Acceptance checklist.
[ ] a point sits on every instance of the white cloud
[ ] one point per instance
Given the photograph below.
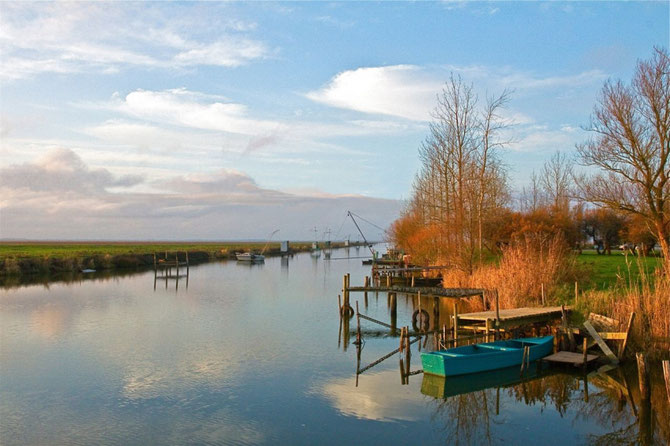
(543, 138)
(410, 91)
(185, 108)
(70, 38)
(401, 90)
(60, 197)
(230, 53)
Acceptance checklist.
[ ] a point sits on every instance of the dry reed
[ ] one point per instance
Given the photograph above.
(525, 267)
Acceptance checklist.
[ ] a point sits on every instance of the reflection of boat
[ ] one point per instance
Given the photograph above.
(250, 257)
(441, 387)
(482, 357)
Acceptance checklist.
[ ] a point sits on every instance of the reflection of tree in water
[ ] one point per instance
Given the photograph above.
(610, 402)
(466, 417)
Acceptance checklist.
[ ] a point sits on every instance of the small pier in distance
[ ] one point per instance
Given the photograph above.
(170, 268)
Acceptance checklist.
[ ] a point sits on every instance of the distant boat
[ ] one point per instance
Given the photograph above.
(250, 257)
(87, 270)
(483, 357)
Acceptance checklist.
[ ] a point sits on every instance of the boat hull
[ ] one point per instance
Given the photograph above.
(246, 257)
(483, 357)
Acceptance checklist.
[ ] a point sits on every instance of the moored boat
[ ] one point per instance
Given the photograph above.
(486, 356)
(250, 257)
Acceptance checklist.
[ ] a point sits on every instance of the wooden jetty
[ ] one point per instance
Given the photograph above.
(170, 268)
(576, 359)
(511, 317)
(425, 291)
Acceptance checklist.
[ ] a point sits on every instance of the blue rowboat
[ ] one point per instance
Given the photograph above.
(482, 357)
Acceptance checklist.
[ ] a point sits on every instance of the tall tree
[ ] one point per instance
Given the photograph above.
(631, 147)
(461, 182)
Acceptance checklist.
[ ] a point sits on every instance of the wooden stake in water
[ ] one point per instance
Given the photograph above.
(642, 375)
(666, 375)
(455, 324)
(358, 323)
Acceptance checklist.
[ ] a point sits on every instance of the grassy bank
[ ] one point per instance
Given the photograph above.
(53, 257)
(606, 271)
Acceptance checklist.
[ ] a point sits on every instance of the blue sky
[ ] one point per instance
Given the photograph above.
(228, 120)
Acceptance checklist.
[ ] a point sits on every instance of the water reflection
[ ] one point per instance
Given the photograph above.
(247, 354)
(470, 408)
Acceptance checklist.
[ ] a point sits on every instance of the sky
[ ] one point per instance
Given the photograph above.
(222, 121)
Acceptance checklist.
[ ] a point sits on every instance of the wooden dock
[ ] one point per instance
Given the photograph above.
(425, 291)
(514, 316)
(576, 359)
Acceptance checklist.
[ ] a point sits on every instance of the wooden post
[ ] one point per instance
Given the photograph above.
(365, 294)
(408, 352)
(542, 292)
(585, 347)
(420, 312)
(622, 350)
(566, 329)
(488, 330)
(187, 262)
(154, 261)
(576, 293)
(666, 375)
(642, 375)
(402, 339)
(358, 327)
(497, 309)
(388, 280)
(455, 324)
(412, 280)
(339, 304)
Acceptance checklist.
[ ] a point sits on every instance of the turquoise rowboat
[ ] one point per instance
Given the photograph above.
(482, 357)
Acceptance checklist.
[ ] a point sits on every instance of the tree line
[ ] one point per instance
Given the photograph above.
(462, 208)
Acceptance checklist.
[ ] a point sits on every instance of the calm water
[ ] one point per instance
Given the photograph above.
(249, 355)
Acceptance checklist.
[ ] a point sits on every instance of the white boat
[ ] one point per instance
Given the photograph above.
(250, 257)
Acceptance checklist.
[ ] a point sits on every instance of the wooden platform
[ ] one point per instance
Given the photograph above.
(576, 359)
(425, 291)
(514, 314)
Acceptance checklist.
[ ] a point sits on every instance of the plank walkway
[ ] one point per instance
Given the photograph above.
(425, 291)
(513, 314)
(576, 359)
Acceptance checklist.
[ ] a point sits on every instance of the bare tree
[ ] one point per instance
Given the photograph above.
(556, 181)
(631, 146)
(461, 180)
(492, 125)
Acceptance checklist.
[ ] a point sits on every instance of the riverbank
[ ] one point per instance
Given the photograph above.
(28, 258)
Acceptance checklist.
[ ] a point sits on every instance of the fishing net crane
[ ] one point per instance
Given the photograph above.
(368, 244)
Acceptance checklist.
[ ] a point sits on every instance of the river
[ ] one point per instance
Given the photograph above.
(253, 354)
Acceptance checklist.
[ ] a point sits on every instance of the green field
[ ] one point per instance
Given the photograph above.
(603, 271)
(71, 249)
(20, 258)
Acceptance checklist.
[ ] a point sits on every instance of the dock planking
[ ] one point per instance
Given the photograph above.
(576, 359)
(425, 291)
(512, 314)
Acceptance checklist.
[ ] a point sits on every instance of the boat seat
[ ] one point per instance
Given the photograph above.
(500, 348)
